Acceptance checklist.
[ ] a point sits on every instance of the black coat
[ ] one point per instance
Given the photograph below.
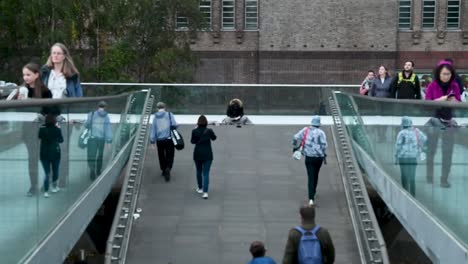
(50, 137)
(201, 137)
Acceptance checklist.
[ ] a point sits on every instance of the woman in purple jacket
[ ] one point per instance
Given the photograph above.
(443, 88)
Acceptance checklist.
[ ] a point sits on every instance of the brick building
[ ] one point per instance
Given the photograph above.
(325, 41)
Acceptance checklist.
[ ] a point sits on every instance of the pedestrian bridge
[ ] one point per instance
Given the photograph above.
(256, 188)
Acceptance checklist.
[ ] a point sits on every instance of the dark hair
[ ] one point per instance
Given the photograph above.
(307, 213)
(449, 60)
(235, 109)
(412, 62)
(371, 71)
(257, 249)
(50, 119)
(39, 86)
(202, 121)
(439, 69)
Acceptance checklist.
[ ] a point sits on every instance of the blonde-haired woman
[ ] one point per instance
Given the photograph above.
(60, 75)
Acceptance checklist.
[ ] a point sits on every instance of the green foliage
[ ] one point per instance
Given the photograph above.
(110, 40)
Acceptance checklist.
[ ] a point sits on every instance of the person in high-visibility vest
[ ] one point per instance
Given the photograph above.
(406, 84)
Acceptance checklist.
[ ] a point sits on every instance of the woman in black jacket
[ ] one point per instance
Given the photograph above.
(50, 136)
(203, 154)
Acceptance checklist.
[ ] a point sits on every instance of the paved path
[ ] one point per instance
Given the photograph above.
(255, 193)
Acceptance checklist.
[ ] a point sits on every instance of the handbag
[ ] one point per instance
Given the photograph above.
(176, 137)
(85, 135)
(297, 155)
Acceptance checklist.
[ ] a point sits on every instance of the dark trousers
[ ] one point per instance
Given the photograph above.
(55, 170)
(95, 156)
(408, 174)
(447, 137)
(32, 146)
(165, 153)
(313, 165)
(203, 173)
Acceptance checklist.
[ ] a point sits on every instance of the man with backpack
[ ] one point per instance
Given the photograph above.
(406, 84)
(309, 243)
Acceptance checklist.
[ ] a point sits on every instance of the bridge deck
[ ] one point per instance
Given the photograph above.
(255, 192)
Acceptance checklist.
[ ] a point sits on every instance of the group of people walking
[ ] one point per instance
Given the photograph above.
(58, 78)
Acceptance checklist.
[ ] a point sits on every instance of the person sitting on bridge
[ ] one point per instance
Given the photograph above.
(235, 114)
(308, 243)
(258, 250)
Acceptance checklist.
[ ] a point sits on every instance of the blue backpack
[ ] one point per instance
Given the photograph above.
(309, 251)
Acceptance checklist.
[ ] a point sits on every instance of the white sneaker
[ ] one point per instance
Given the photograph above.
(46, 195)
(205, 196)
(198, 190)
(55, 189)
(311, 202)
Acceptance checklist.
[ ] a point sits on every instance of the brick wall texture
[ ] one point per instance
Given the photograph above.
(324, 41)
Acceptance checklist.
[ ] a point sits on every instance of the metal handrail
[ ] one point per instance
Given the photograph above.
(222, 85)
(119, 236)
(371, 244)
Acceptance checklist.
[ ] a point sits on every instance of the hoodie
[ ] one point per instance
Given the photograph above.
(161, 128)
(99, 124)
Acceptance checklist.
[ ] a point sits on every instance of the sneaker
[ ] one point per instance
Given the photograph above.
(167, 175)
(198, 190)
(46, 195)
(205, 196)
(445, 185)
(311, 202)
(55, 189)
(31, 192)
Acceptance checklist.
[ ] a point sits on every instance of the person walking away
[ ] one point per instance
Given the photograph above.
(50, 136)
(309, 242)
(258, 251)
(161, 137)
(443, 88)
(202, 154)
(98, 122)
(35, 89)
(406, 84)
(314, 150)
(366, 85)
(410, 144)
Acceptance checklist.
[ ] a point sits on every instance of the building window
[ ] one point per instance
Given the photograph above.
(429, 14)
(251, 14)
(205, 9)
(404, 15)
(181, 22)
(453, 14)
(228, 14)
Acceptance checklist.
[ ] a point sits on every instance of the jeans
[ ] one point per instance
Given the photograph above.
(313, 165)
(165, 153)
(408, 174)
(95, 156)
(203, 173)
(55, 169)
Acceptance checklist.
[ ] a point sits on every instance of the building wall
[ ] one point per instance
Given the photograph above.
(323, 41)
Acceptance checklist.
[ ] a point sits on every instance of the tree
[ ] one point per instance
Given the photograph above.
(110, 40)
